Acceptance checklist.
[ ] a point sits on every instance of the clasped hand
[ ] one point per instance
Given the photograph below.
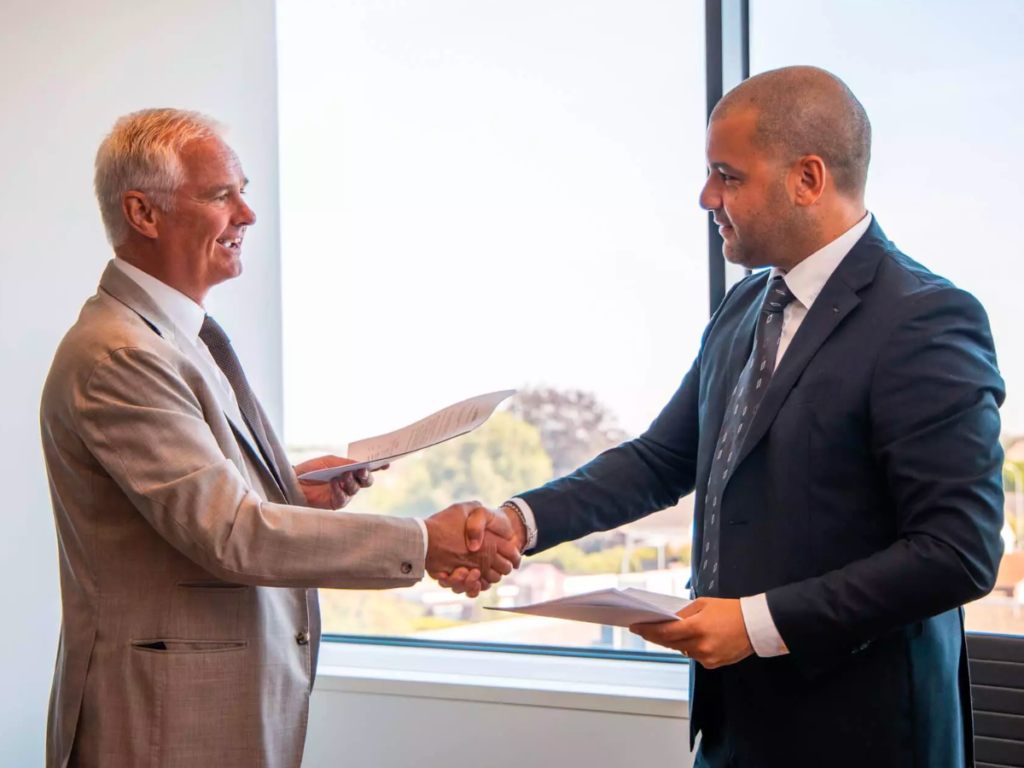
(476, 543)
(709, 630)
(338, 492)
(472, 540)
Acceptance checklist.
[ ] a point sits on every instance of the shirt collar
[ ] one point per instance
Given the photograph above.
(807, 278)
(186, 315)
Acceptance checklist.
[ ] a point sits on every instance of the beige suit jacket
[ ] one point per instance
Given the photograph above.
(190, 623)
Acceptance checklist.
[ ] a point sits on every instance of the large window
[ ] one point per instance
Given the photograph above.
(489, 195)
(943, 84)
(479, 196)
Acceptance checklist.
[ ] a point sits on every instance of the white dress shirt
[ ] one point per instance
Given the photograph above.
(805, 281)
(188, 317)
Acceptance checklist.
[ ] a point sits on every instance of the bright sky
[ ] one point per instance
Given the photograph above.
(479, 194)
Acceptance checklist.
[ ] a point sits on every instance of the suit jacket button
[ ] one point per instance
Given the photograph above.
(406, 567)
(302, 638)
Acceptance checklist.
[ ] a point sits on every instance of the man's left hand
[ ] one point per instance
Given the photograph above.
(339, 491)
(710, 630)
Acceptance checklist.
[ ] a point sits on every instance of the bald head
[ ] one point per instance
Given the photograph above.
(807, 111)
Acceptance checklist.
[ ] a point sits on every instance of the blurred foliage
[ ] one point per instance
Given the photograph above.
(545, 433)
(491, 464)
(376, 613)
(574, 425)
(573, 561)
(1009, 474)
(366, 612)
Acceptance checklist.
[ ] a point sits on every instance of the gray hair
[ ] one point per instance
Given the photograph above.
(808, 111)
(141, 153)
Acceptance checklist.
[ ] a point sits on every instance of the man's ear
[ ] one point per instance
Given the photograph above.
(808, 175)
(141, 214)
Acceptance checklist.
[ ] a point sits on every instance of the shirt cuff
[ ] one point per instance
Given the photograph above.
(531, 523)
(423, 527)
(761, 630)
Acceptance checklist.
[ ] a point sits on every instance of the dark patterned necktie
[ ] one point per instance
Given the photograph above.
(743, 404)
(224, 355)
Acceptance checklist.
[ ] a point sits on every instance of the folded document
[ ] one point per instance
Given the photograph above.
(455, 420)
(614, 607)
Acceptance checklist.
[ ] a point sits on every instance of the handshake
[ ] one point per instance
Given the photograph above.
(470, 547)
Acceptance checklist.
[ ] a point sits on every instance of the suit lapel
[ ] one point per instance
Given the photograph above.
(234, 416)
(290, 483)
(736, 345)
(128, 292)
(837, 299)
(737, 349)
(743, 342)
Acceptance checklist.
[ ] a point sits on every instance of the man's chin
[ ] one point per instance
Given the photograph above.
(739, 257)
(233, 268)
(226, 271)
(733, 254)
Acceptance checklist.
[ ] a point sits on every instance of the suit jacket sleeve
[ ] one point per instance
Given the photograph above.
(146, 427)
(635, 479)
(935, 426)
(625, 483)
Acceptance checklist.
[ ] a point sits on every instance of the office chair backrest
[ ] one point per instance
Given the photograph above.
(997, 686)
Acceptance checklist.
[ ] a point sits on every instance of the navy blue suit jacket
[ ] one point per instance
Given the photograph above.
(867, 503)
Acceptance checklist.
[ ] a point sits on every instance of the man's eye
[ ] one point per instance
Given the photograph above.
(726, 176)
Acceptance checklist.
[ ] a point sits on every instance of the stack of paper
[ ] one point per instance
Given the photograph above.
(614, 607)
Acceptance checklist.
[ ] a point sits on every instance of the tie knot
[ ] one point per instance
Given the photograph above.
(779, 296)
(212, 334)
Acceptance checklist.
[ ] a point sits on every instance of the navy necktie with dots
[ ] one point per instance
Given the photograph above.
(743, 404)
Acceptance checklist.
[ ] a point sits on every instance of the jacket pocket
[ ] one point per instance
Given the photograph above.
(212, 585)
(198, 699)
(161, 645)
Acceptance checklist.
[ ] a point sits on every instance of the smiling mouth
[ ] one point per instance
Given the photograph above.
(234, 243)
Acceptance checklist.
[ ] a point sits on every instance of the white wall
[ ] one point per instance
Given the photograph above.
(386, 731)
(395, 707)
(67, 70)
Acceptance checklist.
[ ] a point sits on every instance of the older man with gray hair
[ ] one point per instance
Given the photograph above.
(189, 549)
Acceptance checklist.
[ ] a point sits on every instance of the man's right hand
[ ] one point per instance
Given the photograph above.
(469, 538)
(469, 580)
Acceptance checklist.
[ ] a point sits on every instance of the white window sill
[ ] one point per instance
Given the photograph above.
(654, 689)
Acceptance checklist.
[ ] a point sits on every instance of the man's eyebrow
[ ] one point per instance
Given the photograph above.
(725, 167)
(219, 189)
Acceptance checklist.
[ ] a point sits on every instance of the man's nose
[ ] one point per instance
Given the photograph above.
(710, 198)
(246, 215)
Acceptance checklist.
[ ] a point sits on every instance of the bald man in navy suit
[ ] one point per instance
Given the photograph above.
(840, 431)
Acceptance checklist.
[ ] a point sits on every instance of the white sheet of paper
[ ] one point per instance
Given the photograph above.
(455, 420)
(614, 607)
